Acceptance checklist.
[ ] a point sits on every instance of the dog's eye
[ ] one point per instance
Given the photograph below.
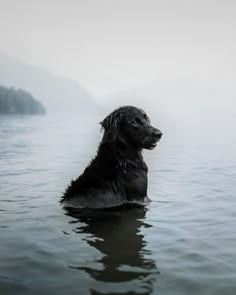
(136, 122)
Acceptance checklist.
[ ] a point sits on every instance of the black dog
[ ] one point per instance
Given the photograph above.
(118, 174)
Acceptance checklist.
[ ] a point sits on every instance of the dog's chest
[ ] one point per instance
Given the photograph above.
(135, 184)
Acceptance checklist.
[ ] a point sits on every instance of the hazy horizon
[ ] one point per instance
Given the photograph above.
(82, 59)
(174, 59)
(108, 46)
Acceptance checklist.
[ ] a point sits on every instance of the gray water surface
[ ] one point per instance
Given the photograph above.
(184, 242)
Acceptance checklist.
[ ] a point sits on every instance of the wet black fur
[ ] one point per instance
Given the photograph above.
(118, 173)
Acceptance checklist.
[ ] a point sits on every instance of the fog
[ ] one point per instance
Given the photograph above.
(175, 59)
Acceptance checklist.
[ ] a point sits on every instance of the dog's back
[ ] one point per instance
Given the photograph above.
(108, 182)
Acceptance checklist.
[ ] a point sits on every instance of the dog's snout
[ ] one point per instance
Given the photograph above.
(157, 133)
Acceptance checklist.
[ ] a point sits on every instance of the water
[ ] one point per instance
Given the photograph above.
(184, 242)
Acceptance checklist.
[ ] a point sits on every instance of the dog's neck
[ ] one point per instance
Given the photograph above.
(125, 155)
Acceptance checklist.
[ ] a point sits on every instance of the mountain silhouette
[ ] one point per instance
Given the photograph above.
(55, 92)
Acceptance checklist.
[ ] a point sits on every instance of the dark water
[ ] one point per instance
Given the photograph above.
(184, 242)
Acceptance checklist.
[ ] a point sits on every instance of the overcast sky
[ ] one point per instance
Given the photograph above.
(110, 45)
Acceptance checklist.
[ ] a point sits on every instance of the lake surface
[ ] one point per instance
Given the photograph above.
(184, 242)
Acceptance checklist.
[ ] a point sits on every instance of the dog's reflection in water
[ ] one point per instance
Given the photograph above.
(117, 234)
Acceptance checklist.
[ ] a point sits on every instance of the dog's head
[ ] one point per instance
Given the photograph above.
(132, 126)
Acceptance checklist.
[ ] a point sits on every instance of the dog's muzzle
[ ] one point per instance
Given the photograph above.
(154, 136)
(157, 134)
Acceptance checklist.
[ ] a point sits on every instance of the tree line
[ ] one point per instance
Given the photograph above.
(18, 101)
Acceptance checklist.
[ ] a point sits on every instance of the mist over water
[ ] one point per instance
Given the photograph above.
(182, 243)
(81, 60)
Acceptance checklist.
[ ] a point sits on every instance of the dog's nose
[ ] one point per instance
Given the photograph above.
(157, 133)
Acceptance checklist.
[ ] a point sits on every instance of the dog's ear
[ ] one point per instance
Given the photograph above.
(111, 124)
